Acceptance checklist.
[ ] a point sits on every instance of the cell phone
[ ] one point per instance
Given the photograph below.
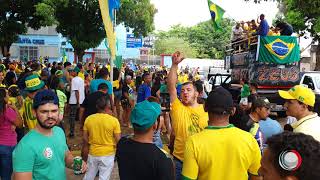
(165, 101)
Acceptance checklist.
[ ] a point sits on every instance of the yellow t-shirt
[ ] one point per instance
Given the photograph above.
(116, 84)
(2, 86)
(132, 84)
(101, 129)
(216, 153)
(186, 121)
(81, 75)
(180, 79)
(272, 33)
(28, 116)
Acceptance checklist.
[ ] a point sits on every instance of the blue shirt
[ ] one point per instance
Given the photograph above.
(144, 92)
(270, 127)
(263, 28)
(96, 82)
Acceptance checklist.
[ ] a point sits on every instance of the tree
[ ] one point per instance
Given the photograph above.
(202, 38)
(81, 23)
(138, 15)
(172, 44)
(210, 43)
(17, 16)
(304, 16)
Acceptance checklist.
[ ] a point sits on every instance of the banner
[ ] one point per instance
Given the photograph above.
(118, 62)
(278, 49)
(108, 26)
(267, 75)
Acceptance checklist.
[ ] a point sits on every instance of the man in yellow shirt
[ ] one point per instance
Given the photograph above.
(221, 151)
(33, 85)
(299, 103)
(187, 116)
(101, 133)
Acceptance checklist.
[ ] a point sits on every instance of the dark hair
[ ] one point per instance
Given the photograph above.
(66, 64)
(145, 75)
(308, 148)
(103, 72)
(310, 108)
(79, 65)
(103, 86)
(255, 85)
(116, 73)
(54, 83)
(153, 99)
(2, 101)
(199, 86)
(102, 103)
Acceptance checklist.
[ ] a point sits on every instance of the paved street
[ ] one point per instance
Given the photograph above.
(71, 176)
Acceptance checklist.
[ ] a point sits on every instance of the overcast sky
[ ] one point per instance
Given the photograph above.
(191, 12)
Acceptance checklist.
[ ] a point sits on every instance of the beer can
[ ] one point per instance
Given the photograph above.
(77, 165)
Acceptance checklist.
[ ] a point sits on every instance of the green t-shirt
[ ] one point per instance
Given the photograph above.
(44, 156)
(163, 88)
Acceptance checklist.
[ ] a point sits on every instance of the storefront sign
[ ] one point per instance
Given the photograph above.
(31, 41)
(133, 42)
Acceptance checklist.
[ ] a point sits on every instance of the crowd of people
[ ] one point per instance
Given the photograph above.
(247, 32)
(211, 136)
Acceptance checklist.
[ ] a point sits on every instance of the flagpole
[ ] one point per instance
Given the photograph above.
(111, 58)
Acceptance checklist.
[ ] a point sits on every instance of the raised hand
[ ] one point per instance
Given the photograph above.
(177, 57)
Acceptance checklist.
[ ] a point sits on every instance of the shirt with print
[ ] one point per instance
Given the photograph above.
(139, 161)
(7, 132)
(186, 121)
(144, 92)
(42, 155)
(28, 117)
(127, 89)
(94, 84)
(254, 128)
(216, 153)
(101, 129)
(77, 84)
(309, 125)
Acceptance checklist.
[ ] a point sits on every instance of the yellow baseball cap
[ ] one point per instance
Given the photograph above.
(300, 93)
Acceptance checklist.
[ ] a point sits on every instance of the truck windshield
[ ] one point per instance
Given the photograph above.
(317, 79)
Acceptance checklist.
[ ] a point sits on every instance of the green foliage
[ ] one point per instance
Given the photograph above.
(81, 23)
(17, 16)
(173, 44)
(138, 15)
(202, 38)
(304, 15)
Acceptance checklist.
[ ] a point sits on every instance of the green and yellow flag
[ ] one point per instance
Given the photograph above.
(64, 55)
(216, 14)
(278, 49)
(108, 26)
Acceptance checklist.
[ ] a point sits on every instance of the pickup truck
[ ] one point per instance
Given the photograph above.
(312, 80)
(273, 66)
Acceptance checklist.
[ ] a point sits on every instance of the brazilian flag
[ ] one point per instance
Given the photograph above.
(216, 14)
(278, 49)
